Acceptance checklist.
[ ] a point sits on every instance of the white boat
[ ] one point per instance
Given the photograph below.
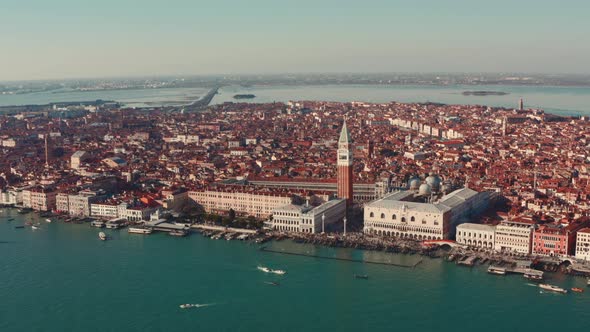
(588, 282)
(552, 288)
(497, 270)
(139, 230)
(34, 227)
(532, 274)
(190, 305)
(48, 220)
(264, 269)
(97, 224)
(278, 271)
(102, 236)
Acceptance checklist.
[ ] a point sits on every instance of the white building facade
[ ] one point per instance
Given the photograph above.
(401, 215)
(583, 244)
(476, 235)
(307, 219)
(514, 236)
(259, 205)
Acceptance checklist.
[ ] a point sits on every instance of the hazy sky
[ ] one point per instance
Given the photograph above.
(82, 38)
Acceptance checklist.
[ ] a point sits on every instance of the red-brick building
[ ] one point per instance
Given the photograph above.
(556, 239)
(344, 165)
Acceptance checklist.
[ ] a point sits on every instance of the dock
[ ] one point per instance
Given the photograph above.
(467, 260)
(409, 266)
(224, 229)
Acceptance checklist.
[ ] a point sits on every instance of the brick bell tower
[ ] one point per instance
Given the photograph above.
(344, 165)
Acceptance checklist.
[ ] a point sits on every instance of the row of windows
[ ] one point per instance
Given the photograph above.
(403, 219)
(468, 234)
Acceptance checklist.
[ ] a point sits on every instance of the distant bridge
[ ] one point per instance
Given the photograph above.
(203, 101)
(439, 243)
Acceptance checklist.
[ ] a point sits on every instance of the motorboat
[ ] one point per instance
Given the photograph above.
(102, 236)
(19, 226)
(48, 220)
(264, 269)
(577, 290)
(34, 227)
(361, 276)
(281, 272)
(553, 288)
(186, 306)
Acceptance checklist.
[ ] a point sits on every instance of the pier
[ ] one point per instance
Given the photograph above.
(223, 229)
(264, 249)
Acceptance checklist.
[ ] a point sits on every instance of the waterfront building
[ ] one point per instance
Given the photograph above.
(62, 203)
(137, 212)
(344, 165)
(514, 236)
(414, 214)
(362, 192)
(257, 204)
(79, 204)
(476, 235)
(306, 218)
(583, 244)
(556, 239)
(39, 199)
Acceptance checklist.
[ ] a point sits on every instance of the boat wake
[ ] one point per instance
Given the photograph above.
(532, 285)
(195, 305)
(268, 270)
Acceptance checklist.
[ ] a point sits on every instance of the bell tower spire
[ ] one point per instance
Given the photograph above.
(344, 165)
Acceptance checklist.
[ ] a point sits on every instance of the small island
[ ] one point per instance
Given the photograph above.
(244, 96)
(484, 93)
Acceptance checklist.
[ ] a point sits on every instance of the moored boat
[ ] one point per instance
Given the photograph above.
(102, 236)
(139, 230)
(577, 290)
(34, 227)
(48, 220)
(179, 232)
(533, 275)
(497, 270)
(553, 288)
(97, 223)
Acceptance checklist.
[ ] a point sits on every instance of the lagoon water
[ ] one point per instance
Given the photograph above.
(62, 278)
(557, 100)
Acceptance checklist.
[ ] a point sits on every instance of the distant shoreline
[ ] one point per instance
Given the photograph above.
(484, 93)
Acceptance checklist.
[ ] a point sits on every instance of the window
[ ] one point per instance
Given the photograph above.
(403, 219)
(372, 215)
(393, 217)
(412, 218)
(382, 215)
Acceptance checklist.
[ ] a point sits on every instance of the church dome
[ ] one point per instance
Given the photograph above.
(414, 183)
(424, 190)
(434, 181)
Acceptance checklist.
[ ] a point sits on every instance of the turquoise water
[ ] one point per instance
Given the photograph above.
(62, 278)
(557, 100)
